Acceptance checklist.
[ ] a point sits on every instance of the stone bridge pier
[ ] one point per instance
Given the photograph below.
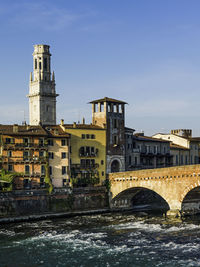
(172, 184)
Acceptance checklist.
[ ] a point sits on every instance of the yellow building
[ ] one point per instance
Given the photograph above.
(87, 153)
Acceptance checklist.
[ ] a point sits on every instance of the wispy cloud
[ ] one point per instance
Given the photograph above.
(42, 15)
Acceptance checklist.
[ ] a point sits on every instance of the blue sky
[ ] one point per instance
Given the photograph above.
(145, 52)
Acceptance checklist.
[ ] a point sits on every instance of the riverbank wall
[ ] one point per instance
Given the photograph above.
(40, 202)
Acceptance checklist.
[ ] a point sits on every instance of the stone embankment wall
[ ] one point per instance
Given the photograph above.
(29, 202)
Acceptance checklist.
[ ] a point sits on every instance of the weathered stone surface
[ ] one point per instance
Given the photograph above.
(172, 184)
(40, 202)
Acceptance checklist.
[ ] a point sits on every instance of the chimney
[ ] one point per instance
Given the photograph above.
(15, 128)
(83, 120)
(74, 125)
(62, 122)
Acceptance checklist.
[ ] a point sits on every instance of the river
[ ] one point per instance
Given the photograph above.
(119, 239)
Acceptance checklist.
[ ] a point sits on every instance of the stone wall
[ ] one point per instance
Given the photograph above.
(29, 202)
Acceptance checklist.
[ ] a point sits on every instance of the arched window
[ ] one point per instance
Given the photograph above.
(115, 166)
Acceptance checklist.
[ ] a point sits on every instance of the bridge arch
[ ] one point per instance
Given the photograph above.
(140, 198)
(191, 201)
(189, 188)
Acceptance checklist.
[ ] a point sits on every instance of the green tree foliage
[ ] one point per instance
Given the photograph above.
(47, 179)
(7, 179)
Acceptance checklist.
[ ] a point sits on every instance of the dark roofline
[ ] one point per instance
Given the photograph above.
(107, 99)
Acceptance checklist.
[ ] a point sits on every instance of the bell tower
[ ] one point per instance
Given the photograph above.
(109, 113)
(42, 93)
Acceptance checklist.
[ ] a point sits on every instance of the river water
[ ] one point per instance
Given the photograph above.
(120, 239)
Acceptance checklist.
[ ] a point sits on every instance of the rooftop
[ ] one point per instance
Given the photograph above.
(38, 130)
(148, 138)
(82, 126)
(107, 99)
(178, 147)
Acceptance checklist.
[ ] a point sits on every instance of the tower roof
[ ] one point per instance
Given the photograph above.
(107, 99)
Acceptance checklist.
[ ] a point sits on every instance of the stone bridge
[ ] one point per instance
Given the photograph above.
(172, 184)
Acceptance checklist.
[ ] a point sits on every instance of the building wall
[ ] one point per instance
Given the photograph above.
(17, 155)
(186, 152)
(110, 113)
(178, 140)
(98, 143)
(59, 179)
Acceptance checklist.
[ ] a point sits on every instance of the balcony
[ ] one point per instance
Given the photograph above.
(88, 152)
(21, 146)
(88, 155)
(23, 160)
(85, 166)
(136, 150)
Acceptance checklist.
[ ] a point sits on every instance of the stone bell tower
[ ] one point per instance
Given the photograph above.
(42, 93)
(109, 113)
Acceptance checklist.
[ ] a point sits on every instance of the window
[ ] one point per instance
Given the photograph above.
(63, 142)
(135, 160)
(50, 170)
(41, 141)
(87, 136)
(129, 160)
(64, 170)
(64, 182)
(92, 162)
(10, 140)
(26, 155)
(45, 63)
(40, 65)
(51, 155)
(25, 141)
(83, 162)
(41, 153)
(82, 151)
(63, 155)
(102, 162)
(92, 136)
(115, 139)
(35, 63)
(43, 170)
(50, 142)
(115, 123)
(102, 173)
(87, 150)
(9, 153)
(181, 159)
(10, 167)
(27, 169)
(83, 136)
(176, 159)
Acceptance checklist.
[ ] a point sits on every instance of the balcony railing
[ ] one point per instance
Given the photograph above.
(24, 145)
(88, 155)
(24, 159)
(85, 166)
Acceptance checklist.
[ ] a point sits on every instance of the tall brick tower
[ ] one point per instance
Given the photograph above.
(42, 93)
(110, 114)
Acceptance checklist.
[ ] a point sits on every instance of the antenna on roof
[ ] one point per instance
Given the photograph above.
(24, 117)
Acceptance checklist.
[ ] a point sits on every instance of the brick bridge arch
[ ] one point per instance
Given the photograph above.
(172, 184)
